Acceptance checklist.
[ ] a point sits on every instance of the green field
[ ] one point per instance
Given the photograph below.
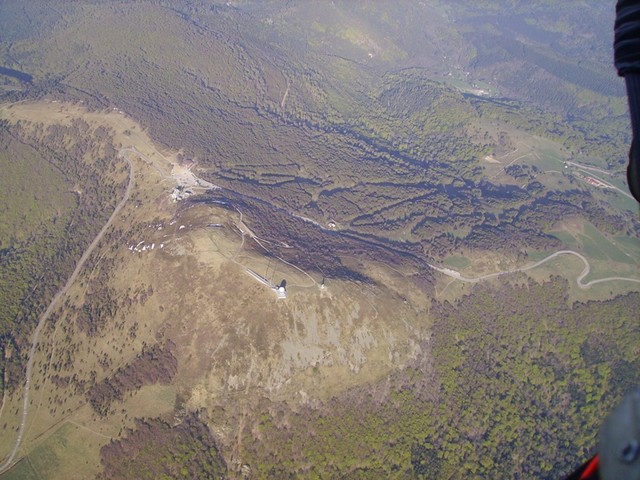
(69, 450)
(597, 246)
(457, 262)
(630, 245)
(608, 256)
(549, 159)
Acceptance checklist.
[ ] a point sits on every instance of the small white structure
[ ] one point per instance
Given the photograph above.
(281, 290)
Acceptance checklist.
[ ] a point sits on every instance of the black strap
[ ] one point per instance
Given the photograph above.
(633, 170)
(626, 43)
(627, 60)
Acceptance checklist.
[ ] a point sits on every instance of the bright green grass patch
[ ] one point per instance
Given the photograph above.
(458, 262)
(45, 459)
(592, 248)
(70, 452)
(547, 159)
(597, 245)
(630, 245)
(22, 471)
(623, 202)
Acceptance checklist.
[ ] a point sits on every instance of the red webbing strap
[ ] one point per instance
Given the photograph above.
(591, 470)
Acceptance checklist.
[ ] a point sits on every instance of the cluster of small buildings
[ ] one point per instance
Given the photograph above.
(181, 193)
(595, 182)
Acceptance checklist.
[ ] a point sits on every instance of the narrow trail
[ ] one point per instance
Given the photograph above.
(89, 429)
(284, 97)
(589, 167)
(45, 316)
(503, 169)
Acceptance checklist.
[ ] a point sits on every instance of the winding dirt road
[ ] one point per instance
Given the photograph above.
(579, 279)
(36, 334)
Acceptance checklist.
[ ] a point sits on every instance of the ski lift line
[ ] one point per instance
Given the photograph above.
(257, 240)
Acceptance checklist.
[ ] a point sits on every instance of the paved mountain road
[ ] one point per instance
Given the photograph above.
(43, 318)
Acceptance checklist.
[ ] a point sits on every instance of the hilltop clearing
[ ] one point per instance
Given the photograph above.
(162, 269)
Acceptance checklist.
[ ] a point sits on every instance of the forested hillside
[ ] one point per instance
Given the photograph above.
(61, 185)
(497, 393)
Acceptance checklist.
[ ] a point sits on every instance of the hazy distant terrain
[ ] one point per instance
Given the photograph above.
(440, 184)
